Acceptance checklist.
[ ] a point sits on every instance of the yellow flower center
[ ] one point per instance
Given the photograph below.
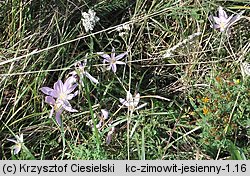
(62, 96)
(222, 25)
(112, 60)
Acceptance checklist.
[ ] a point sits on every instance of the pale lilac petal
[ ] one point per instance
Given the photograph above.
(67, 106)
(211, 18)
(120, 56)
(105, 113)
(215, 26)
(76, 93)
(136, 99)
(113, 53)
(217, 20)
(17, 149)
(58, 118)
(70, 89)
(70, 96)
(104, 55)
(46, 90)
(109, 67)
(91, 78)
(129, 96)
(114, 68)
(212, 23)
(230, 18)
(68, 83)
(234, 19)
(222, 13)
(50, 100)
(55, 94)
(58, 86)
(123, 102)
(106, 60)
(19, 138)
(120, 62)
(12, 140)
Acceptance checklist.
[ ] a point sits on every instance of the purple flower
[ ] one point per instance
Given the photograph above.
(112, 59)
(56, 106)
(81, 68)
(132, 102)
(18, 143)
(59, 97)
(104, 116)
(223, 22)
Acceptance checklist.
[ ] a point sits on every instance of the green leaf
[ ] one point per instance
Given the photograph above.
(236, 153)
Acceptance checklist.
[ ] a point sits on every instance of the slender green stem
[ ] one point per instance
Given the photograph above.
(96, 134)
(130, 113)
(63, 140)
(128, 122)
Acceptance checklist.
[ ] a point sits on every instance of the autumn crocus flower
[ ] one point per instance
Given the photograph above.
(81, 68)
(132, 102)
(223, 22)
(56, 105)
(18, 143)
(112, 59)
(59, 97)
(104, 116)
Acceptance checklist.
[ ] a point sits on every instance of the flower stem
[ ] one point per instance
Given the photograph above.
(96, 134)
(63, 140)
